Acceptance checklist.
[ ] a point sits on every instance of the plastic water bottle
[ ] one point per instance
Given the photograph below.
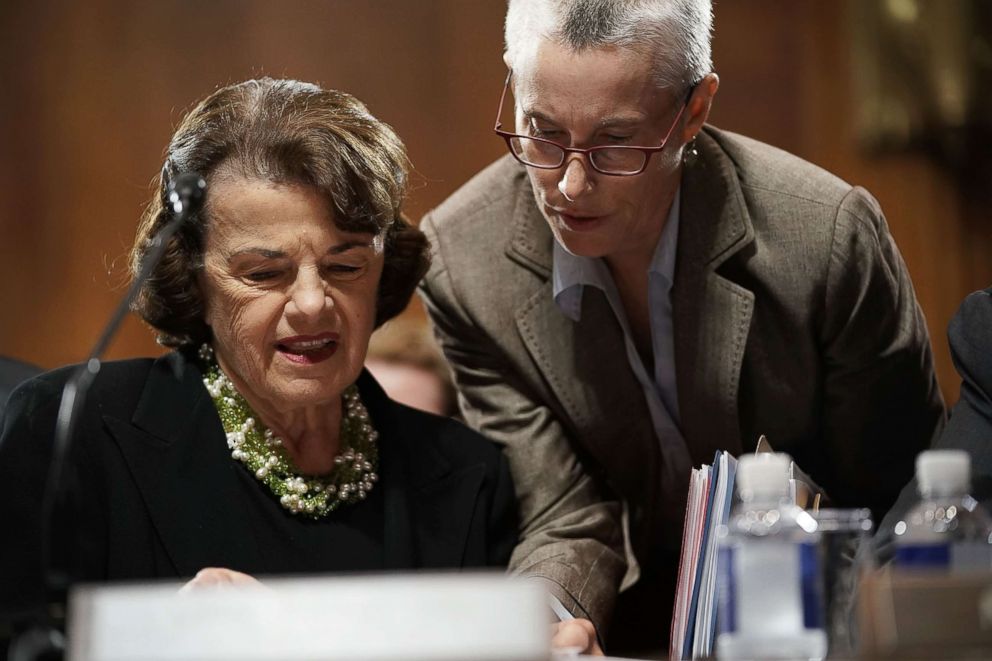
(947, 530)
(769, 579)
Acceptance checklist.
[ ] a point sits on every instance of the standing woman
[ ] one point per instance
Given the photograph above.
(259, 445)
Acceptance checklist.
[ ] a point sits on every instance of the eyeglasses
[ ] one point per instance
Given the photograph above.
(617, 161)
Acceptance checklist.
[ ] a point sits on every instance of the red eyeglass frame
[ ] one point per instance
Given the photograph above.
(587, 151)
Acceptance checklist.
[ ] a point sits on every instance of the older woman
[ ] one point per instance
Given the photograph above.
(259, 445)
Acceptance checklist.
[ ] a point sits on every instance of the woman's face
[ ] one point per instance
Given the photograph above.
(290, 298)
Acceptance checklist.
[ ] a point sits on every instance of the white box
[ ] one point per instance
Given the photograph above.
(426, 617)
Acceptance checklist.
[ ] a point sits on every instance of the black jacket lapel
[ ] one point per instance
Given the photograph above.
(429, 505)
(189, 483)
(182, 468)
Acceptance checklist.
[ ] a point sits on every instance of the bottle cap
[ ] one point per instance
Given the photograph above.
(763, 474)
(943, 472)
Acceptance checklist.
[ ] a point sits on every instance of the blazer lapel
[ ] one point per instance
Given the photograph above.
(585, 364)
(712, 315)
(428, 505)
(174, 446)
(428, 520)
(443, 509)
(530, 239)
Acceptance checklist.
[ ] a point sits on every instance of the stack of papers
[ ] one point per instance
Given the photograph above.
(711, 491)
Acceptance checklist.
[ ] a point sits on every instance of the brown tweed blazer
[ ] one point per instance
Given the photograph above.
(794, 317)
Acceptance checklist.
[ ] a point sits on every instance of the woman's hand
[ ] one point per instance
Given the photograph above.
(214, 576)
(575, 635)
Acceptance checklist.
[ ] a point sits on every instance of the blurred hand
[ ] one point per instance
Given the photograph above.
(575, 635)
(214, 576)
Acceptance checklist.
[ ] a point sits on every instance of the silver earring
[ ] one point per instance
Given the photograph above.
(690, 154)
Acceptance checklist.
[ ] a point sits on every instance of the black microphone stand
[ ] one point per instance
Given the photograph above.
(185, 196)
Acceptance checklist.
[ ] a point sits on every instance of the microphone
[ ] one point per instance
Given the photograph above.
(185, 195)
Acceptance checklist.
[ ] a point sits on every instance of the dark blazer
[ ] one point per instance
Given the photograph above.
(970, 426)
(148, 500)
(793, 316)
(12, 373)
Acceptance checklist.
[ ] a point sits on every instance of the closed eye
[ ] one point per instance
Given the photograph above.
(546, 134)
(548, 131)
(616, 139)
(341, 271)
(262, 276)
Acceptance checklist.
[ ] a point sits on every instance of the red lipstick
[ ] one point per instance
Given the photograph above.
(308, 349)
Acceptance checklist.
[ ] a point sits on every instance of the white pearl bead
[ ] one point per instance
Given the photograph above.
(253, 444)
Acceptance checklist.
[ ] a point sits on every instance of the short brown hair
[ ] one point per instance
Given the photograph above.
(283, 131)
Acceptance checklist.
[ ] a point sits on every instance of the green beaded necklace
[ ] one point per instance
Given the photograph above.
(262, 453)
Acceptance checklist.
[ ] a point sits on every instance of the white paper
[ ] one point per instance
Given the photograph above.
(444, 617)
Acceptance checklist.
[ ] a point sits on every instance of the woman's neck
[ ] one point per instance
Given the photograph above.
(311, 435)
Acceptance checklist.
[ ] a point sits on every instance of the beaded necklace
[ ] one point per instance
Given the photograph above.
(263, 453)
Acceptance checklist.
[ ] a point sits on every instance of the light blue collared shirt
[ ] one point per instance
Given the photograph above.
(571, 274)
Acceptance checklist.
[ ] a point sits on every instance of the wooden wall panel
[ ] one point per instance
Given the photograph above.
(92, 90)
(945, 239)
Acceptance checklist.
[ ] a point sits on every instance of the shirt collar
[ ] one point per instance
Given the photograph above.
(570, 273)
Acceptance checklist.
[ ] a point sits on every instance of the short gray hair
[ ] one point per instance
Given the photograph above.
(676, 34)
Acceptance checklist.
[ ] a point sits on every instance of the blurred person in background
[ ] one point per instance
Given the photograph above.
(630, 289)
(969, 426)
(259, 445)
(406, 362)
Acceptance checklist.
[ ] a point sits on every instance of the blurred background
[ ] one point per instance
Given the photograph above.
(892, 95)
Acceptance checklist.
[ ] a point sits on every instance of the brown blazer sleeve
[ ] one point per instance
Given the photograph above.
(571, 533)
(881, 400)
